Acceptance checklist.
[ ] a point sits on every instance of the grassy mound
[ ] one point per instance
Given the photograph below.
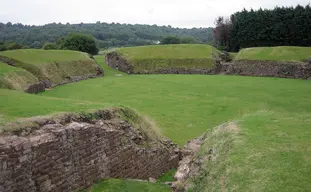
(55, 66)
(263, 151)
(15, 78)
(283, 53)
(157, 57)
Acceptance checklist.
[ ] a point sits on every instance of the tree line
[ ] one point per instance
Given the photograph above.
(106, 35)
(277, 27)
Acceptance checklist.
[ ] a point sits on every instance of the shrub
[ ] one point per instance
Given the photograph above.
(187, 40)
(49, 46)
(79, 42)
(170, 40)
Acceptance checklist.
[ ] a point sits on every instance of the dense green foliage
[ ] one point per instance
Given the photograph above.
(50, 46)
(79, 42)
(155, 57)
(10, 46)
(283, 53)
(277, 27)
(170, 40)
(177, 40)
(108, 35)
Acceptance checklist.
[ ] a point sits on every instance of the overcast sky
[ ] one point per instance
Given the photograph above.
(177, 13)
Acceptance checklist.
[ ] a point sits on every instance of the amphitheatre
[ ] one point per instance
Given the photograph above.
(155, 118)
(116, 125)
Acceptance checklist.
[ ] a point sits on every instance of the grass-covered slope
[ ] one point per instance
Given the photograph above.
(282, 53)
(15, 78)
(262, 151)
(55, 66)
(157, 57)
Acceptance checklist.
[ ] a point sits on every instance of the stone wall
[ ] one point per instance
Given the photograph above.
(268, 69)
(246, 68)
(71, 155)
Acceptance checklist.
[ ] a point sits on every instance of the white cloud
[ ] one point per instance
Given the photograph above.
(179, 13)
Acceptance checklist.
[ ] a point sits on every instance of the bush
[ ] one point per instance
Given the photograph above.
(49, 46)
(10, 46)
(79, 42)
(170, 40)
(188, 40)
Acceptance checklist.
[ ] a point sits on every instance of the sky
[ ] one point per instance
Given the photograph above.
(177, 13)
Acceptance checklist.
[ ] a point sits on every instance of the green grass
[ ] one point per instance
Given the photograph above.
(15, 78)
(283, 53)
(56, 66)
(114, 185)
(5, 68)
(266, 151)
(271, 151)
(156, 57)
(39, 56)
(167, 177)
(15, 105)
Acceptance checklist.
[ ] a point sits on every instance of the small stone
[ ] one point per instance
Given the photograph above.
(152, 180)
(169, 183)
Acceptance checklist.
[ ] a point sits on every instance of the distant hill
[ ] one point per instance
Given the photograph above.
(108, 35)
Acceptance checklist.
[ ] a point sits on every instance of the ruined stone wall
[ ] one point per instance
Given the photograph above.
(72, 156)
(268, 69)
(246, 68)
(114, 60)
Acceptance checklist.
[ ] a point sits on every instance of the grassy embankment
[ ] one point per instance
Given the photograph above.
(158, 57)
(53, 65)
(282, 53)
(15, 78)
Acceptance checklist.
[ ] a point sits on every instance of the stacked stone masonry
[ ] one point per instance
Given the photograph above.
(74, 156)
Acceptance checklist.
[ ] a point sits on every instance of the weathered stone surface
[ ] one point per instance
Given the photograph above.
(72, 156)
(35, 88)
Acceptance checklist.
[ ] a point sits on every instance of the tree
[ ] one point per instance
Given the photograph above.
(170, 40)
(188, 40)
(80, 42)
(222, 32)
(50, 46)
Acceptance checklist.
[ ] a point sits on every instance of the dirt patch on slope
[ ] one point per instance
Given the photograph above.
(200, 153)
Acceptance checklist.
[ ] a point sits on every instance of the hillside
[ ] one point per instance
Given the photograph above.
(164, 58)
(16, 78)
(53, 67)
(108, 35)
(281, 53)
